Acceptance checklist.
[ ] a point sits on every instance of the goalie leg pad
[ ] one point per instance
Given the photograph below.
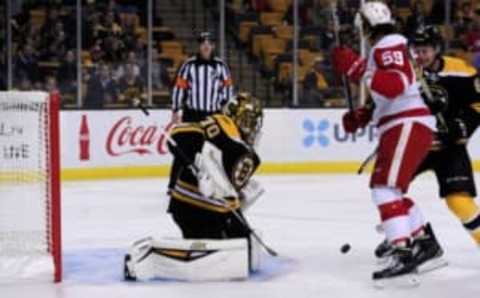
(188, 260)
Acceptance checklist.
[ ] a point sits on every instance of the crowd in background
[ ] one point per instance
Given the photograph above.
(114, 51)
(317, 34)
(114, 45)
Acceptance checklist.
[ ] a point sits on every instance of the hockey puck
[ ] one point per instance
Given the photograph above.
(345, 248)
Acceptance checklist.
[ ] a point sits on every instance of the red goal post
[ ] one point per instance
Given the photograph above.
(30, 203)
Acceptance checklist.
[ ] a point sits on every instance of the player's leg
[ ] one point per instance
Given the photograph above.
(457, 186)
(401, 150)
(417, 220)
(174, 173)
(197, 223)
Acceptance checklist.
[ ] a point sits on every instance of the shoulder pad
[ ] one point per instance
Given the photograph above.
(391, 40)
(227, 125)
(457, 67)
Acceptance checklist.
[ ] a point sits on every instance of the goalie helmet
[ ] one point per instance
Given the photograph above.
(376, 13)
(246, 111)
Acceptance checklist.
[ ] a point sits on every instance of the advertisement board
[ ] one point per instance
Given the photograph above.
(126, 143)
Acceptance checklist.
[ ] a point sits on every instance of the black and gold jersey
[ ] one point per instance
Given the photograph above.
(461, 83)
(238, 159)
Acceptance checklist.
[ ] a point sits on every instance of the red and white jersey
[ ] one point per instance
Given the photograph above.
(393, 85)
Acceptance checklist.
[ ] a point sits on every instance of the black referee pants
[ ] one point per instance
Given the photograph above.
(188, 116)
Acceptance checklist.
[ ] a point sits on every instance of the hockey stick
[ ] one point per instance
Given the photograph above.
(336, 28)
(191, 165)
(423, 83)
(238, 216)
(363, 53)
(367, 161)
(138, 103)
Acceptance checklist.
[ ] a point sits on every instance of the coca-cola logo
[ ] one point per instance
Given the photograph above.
(126, 138)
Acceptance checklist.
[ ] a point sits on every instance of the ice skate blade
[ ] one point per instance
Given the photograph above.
(411, 280)
(432, 265)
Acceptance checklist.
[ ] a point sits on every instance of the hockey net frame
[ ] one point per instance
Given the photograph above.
(50, 106)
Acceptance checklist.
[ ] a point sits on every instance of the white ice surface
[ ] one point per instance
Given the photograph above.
(306, 218)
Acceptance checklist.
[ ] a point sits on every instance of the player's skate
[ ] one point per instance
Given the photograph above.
(383, 250)
(400, 271)
(427, 252)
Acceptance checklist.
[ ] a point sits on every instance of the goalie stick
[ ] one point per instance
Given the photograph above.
(191, 165)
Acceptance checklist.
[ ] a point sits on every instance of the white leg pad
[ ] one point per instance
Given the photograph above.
(189, 260)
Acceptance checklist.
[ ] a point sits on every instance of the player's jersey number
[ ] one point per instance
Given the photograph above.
(211, 128)
(390, 58)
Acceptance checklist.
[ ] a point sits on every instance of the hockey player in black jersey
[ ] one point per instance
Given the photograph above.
(213, 189)
(222, 148)
(454, 88)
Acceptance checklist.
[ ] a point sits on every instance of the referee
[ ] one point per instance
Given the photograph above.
(202, 87)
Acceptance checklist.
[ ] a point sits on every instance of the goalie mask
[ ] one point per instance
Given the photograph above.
(246, 111)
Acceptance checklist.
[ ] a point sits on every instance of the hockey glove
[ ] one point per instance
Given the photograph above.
(347, 62)
(438, 102)
(457, 133)
(359, 118)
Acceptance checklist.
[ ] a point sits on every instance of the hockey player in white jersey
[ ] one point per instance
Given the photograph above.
(406, 128)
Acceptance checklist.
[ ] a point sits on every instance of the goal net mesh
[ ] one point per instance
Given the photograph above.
(26, 203)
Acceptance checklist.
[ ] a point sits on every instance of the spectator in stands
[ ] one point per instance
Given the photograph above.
(315, 85)
(24, 84)
(130, 59)
(49, 28)
(110, 25)
(131, 86)
(418, 17)
(51, 85)
(466, 13)
(67, 73)
(101, 88)
(321, 13)
(160, 77)
(114, 49)
(327, 36)
(472, 37)
(438, 11)
(26, 64)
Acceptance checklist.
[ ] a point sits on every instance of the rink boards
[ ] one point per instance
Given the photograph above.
(126, 143)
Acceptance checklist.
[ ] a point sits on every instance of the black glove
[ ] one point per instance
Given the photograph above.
(456, 133)
(438, 102)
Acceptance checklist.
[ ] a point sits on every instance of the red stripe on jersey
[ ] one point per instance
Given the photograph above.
(408, 203)
(405, 114)
(392, 210)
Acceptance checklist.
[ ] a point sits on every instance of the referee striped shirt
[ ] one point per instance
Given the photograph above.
(202, 85)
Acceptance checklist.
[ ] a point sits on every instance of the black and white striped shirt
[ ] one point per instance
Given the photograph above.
(202, 85)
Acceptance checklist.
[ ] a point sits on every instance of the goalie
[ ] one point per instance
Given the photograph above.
(214, 187)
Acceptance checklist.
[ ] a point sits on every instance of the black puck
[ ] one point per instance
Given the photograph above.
(345, 248)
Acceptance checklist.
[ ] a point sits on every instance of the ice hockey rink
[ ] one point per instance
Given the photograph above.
(305, 218)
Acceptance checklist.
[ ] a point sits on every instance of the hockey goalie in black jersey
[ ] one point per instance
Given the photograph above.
(222, 148)
(213, 189)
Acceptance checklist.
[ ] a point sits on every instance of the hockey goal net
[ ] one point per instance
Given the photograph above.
(30, 244)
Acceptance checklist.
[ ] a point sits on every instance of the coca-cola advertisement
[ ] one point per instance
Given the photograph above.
(127, 137)
(115, 138)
